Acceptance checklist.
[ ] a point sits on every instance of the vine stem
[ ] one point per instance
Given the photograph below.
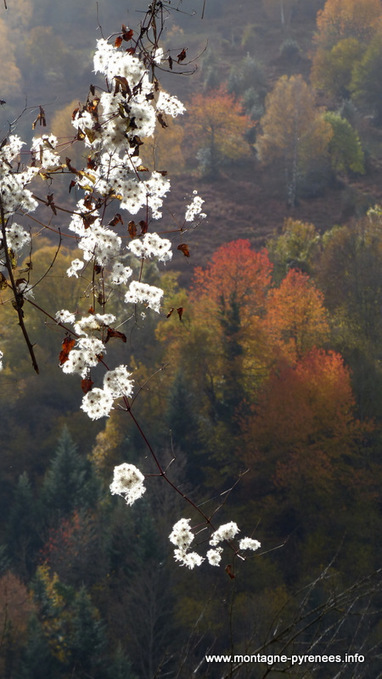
(162, 471)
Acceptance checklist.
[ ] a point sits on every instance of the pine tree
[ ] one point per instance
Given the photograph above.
(86, 640)
(36, 659)
(120, 667)
(70, 482)
(23, 534)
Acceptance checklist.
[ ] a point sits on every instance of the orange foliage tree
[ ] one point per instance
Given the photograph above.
(342, 19)
(302, 436)
(215, 128)
(296, 318)
(253, 357)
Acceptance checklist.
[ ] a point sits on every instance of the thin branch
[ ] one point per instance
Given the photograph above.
(18, 296)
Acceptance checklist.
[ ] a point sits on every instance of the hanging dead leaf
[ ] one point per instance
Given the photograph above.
(122, 85)
(50, 203)
(144, 226)
(132, 228)
(182, 55)
(67, 345)
(127, 33)
(117, 219)
(88, 220)
(161, 120)
(115, 333)
(180, 312)
(183, 247)
(40, 119)
(118, 41)
(88, 202)
(86, 385)
(229, 571)
(170, 312)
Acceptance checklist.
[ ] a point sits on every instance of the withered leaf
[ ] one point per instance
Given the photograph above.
(183, 247)
(121, 81)
(127, 33)
(50, 203)
(67, 345)
(144, 226)
(71, 185)
(118, 41)
(229, 571)
(40, 119)
(88, 202)
(161, 120)
(170, 62)
(88, 220)
(86, 385)
(182, 55)
(132, 228)
(179, 311)
(3, 281)
(69, 165)
(117, 219)
(115, 333)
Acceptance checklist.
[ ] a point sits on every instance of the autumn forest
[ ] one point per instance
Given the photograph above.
(258, 378)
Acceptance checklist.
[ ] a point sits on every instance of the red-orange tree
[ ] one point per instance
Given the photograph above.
(302, 442)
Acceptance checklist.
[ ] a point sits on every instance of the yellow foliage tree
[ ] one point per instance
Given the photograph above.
(332, 69)
(293, 130)
(342, 19)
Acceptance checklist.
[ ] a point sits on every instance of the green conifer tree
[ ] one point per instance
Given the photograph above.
(23, 528)
(86, 639)
(70, 483)
(36, 659)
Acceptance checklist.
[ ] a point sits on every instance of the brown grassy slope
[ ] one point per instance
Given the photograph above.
(249, 204)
